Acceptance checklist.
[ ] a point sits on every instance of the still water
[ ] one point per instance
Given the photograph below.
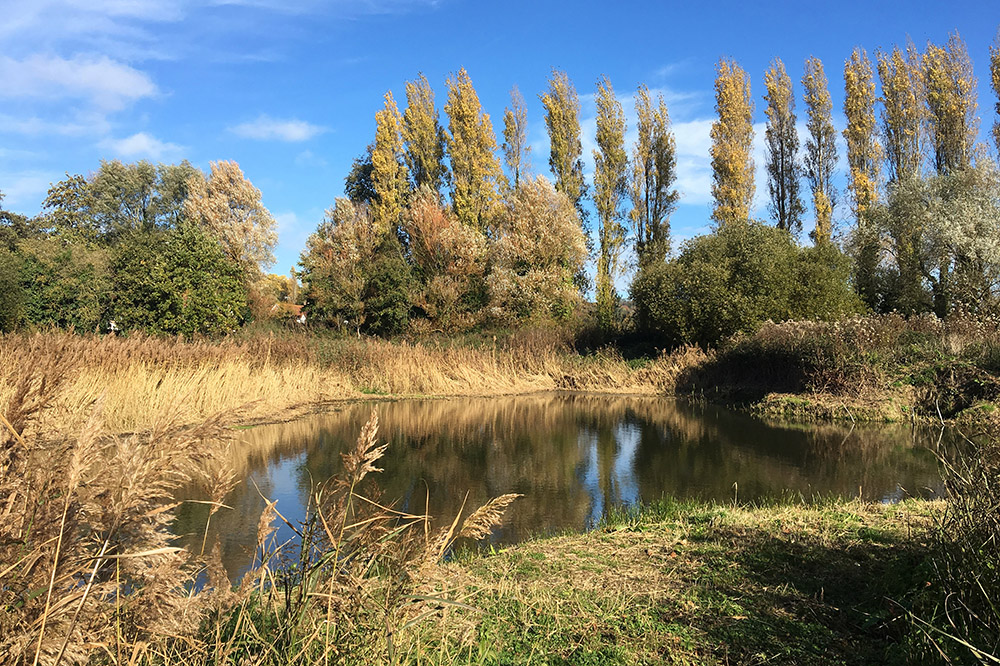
(571, 455)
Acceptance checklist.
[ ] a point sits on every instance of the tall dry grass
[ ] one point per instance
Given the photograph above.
(89, 571)
(268, 375)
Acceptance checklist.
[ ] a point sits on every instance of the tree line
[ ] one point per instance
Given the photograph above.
(442, 228)
(160, 248)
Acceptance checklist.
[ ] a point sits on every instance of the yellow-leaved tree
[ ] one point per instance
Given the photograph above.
(424, 137)
(562, 119)
(821, 148)
(864, 155)
(389, 180)
(902, 111)
(732, 145)
(475, 170)
(950, 91)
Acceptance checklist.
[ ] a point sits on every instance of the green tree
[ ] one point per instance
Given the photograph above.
(732, 145)
(782, 165)
(654, 172)
(119, 199)
(388, 170)
(358, 185)
(950, 91)
(610, 182)
(424, 137)
(472, 145)
(864, 155)
(562, 119)
(64, 284)
(354, 275)
(732, 280)
(821, 148)
(11, 293)
(516, 150)
(178, 282)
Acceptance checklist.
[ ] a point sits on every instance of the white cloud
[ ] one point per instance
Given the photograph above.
(265, 128)
(142, 145)
(107, 84)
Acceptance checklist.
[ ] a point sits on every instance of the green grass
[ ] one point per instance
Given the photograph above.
(683, 583)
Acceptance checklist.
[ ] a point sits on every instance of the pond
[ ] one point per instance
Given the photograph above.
(572, 456)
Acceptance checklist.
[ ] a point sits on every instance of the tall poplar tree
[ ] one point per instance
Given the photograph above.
(515, 137)
(388, 172)
(424, 137)
(950, 92)
(902, 112)
(475, 170)
(562, 118)
(654, 172)
(732, 145)
(783, 168)
(610, 181)
(821, 148)
(863, 150)
(864, 155)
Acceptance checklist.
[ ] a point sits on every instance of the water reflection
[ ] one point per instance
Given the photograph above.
(572, 455)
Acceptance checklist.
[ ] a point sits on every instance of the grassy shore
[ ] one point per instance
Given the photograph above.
(696, 584)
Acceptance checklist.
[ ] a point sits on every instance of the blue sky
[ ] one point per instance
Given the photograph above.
(289, 88)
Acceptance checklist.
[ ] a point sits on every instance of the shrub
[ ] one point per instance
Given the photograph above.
(736, 278)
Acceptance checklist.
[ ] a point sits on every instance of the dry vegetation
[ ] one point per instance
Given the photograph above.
(90, 571)
(267, 376)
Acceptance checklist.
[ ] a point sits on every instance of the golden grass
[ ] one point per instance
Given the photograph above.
(270, 377)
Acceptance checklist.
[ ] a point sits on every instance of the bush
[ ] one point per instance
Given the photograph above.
(64, 285)
(736, 278)
(177, 282)
(11, 296)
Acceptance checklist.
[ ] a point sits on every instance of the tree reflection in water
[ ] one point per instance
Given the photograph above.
(571, 455)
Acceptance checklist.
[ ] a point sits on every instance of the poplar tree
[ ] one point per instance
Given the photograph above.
(475, 170)
(783, 168)
(423, 136)
(388, 172)
(863, 150)
(732, 143)
(610, 181)
(821, 148)
(562, 118)
(902, 112)
(950, 93)
(515, 134)
(654, 171)
(995, 81)
(864, 155)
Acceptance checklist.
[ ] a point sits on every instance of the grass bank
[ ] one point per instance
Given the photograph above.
(876, 368)
(697, 584)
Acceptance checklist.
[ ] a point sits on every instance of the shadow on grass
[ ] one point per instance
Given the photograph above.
(783, 598)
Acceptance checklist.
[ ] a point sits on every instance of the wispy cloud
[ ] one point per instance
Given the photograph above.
(24, 191)
(105, 83)
(142, 144)
(266, 128)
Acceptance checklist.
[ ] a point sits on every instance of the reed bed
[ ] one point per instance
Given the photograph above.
(90, 573)
(267, 375)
